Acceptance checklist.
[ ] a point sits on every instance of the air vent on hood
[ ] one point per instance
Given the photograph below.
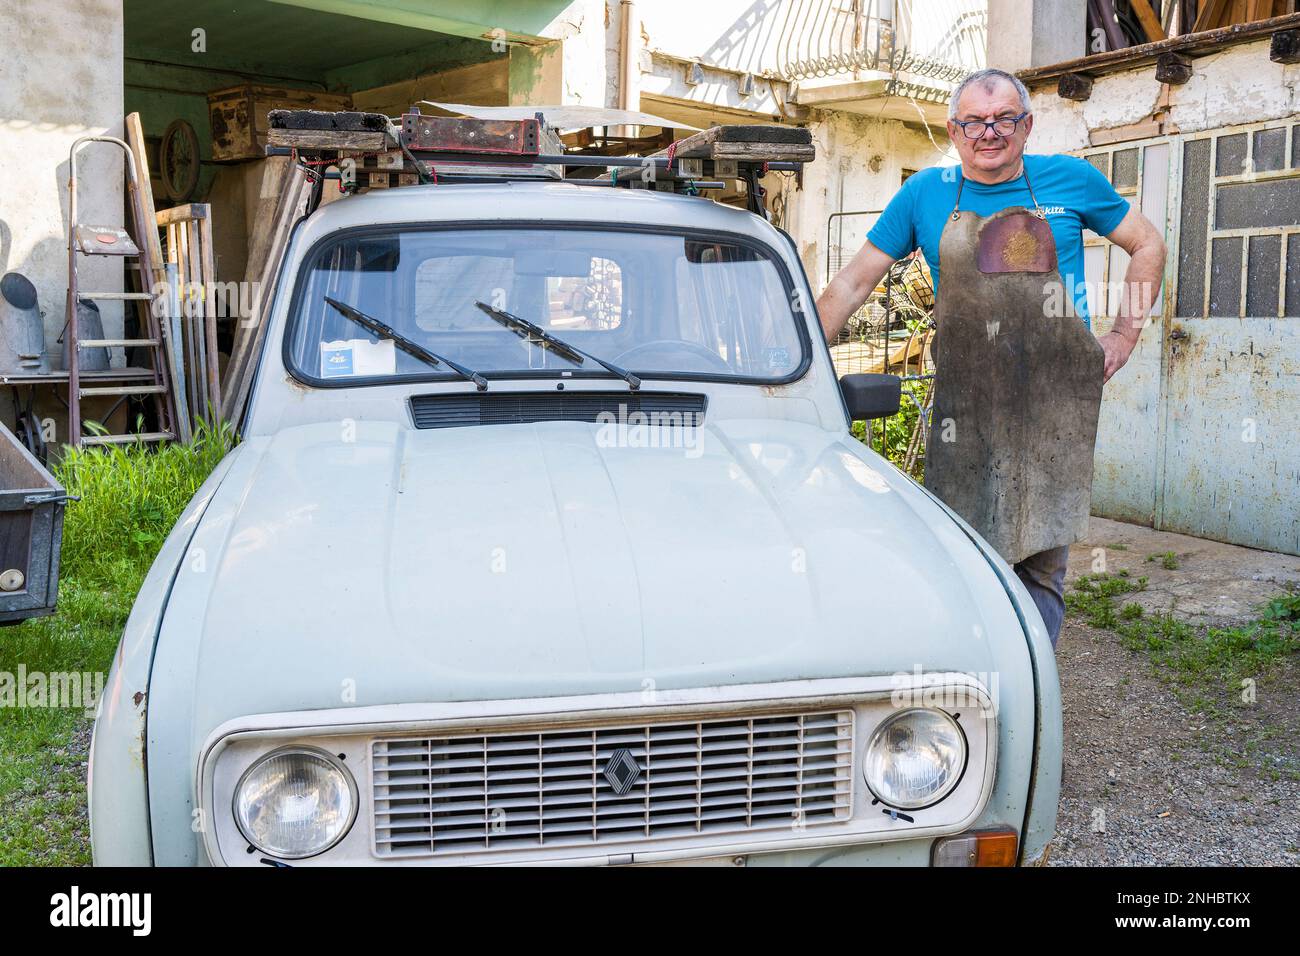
(515, 408)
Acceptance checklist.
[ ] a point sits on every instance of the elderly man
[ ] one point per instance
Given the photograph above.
(1019, 374)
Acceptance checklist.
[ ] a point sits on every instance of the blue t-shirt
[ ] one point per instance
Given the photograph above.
(1072, 191)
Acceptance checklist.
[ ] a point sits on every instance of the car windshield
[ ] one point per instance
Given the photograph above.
(657, 304)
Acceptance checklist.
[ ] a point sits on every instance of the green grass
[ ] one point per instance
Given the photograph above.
(1206, 666)
(1219, 656)
(1168, 560)
(130, 498)
(1093, 597)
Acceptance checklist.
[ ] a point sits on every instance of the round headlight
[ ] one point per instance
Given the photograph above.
(915, 758)
(295, 803)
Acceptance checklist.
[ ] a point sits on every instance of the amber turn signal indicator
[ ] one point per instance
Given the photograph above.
(976, 848)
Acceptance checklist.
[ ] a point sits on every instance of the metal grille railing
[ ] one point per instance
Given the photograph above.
(939, 39)
(574, 786)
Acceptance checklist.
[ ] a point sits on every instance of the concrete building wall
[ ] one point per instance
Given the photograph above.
(66, 83)
(589, 72)
(1028, 33)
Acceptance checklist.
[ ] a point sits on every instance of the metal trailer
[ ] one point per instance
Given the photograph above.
(31, 532)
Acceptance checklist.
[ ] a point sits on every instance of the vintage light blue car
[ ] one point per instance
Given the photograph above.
(548, 542)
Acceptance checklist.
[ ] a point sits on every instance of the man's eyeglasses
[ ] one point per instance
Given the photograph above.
(974, 129)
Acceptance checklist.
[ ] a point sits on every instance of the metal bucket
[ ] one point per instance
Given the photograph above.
(22, 333)
(90, 325)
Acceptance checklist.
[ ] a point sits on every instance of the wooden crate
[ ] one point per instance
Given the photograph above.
(239, 122)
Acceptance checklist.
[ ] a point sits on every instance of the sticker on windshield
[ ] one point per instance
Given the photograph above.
(357, 357)
(777, 359)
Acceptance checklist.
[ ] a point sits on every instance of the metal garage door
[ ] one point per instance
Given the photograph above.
(1200, 433)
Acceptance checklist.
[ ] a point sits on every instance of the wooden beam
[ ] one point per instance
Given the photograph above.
(327, 139)
(1122, 134)
(191, 210)
(135, 139)
(151, 275)
(1150, 22)
(1074, 86)
(1129, 58)
(210, 320)
(755, 144)
(1259, 9)
(293, 197)
(1211, 15)
(1285, 47)
(1173, 68)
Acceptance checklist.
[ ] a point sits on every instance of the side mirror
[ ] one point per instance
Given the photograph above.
(871, 395)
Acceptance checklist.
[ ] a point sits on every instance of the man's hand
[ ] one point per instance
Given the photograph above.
(1117, 348)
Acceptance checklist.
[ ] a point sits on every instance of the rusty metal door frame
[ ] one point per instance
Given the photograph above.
(1160, 316)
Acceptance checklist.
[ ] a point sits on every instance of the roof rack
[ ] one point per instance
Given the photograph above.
(371, 151)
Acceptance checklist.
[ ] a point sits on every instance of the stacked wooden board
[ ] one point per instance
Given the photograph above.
(292, 187)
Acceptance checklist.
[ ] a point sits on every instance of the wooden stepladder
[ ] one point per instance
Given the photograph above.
(88, 240)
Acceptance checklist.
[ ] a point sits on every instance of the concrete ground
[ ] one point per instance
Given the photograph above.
(1151, 778)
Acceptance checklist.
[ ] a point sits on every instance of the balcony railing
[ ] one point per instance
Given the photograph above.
(941, 40)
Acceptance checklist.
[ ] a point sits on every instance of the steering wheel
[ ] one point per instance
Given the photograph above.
(716, 361)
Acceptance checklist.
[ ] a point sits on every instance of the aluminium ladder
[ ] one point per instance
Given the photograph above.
(110, 241)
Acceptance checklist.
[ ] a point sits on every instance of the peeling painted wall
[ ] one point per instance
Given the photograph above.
(588, 63)
(1237, 85)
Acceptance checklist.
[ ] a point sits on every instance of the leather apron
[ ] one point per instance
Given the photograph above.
(1017, 387)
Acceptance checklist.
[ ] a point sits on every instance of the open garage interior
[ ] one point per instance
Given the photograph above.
(196, 82)
(203, 75)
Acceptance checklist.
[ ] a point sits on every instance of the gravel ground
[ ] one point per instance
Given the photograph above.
(1147, 781)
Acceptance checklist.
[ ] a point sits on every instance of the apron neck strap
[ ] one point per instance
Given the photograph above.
(1024, 171)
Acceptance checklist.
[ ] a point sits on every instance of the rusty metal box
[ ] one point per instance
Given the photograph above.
(31, 533)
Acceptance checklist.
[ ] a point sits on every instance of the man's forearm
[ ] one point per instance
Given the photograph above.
(1142, 281)
(845, 293)
(834, 307)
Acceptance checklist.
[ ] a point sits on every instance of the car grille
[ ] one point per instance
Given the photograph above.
(513, 791)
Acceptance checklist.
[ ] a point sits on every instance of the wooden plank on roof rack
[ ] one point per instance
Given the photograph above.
(755, 144)
(328, 139)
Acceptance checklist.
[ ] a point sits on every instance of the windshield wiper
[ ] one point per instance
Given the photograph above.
(538, 336)
(375, 327)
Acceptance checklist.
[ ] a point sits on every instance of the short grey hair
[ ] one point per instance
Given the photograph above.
(986, 79)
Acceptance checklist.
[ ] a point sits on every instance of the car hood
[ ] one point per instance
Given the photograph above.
(371, 563)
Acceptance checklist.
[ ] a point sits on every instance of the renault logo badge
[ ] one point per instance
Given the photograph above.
(622, 771)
